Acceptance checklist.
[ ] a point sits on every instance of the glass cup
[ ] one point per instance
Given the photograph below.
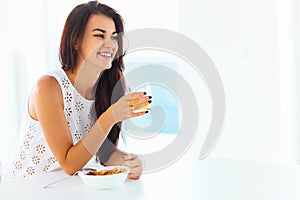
(146, 89)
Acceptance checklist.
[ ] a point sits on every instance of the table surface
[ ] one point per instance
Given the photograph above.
(188, 178)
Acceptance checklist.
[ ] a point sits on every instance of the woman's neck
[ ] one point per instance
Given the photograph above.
(84, 78)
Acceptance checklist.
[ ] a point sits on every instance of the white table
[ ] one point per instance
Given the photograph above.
(189, 178)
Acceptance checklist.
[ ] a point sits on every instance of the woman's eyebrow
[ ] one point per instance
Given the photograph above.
(101, 30)
(98, 29)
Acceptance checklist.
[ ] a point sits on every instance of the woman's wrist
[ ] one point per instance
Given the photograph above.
(106, 120)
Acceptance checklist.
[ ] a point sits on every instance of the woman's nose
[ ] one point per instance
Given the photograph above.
(109, 42)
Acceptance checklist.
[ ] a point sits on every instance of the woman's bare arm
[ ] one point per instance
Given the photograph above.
(47, 103)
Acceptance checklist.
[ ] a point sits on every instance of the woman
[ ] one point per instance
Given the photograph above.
(75, 110)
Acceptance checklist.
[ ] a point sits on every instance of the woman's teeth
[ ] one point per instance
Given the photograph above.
(105, 54)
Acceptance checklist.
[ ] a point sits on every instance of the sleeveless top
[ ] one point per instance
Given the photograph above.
(33, 155)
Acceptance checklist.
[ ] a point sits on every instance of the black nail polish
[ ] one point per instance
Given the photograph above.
(150, 97)
(146, 111)
(145, 93)
(149, 101)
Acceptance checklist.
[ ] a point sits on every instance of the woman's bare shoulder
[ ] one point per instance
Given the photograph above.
(48, 85)
(47, 88)
(46, 92)
(47, 82)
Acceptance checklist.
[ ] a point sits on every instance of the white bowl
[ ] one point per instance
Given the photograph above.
(104, 181)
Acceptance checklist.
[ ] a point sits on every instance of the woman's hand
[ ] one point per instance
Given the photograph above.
(135, 164)
(124, 108)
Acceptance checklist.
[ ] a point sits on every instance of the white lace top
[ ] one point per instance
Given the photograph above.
(33, 155)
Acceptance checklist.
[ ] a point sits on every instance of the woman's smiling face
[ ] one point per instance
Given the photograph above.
(99, 44)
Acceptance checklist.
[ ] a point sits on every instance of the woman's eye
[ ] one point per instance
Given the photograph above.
(99, 35)
(114, 37)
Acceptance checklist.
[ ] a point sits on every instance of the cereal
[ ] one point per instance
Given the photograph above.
(105, 172)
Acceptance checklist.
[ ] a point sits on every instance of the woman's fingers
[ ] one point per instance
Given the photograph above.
(135, 165)
(129, 157)
(132, 163)
(128, 106)
(135, 172)
(141, 105)
(139, 100)
(134, 95)
(138, 94)
(135, 175)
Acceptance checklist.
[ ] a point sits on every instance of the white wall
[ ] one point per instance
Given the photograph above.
(242, 38)
(22, 59)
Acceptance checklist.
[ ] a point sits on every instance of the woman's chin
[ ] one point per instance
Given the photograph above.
(105, 66)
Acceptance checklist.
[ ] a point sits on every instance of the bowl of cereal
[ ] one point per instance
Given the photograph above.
(105, 178)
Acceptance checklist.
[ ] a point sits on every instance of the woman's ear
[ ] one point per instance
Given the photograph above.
(76, 45)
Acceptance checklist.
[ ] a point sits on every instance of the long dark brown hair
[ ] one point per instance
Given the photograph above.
(109, 80)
